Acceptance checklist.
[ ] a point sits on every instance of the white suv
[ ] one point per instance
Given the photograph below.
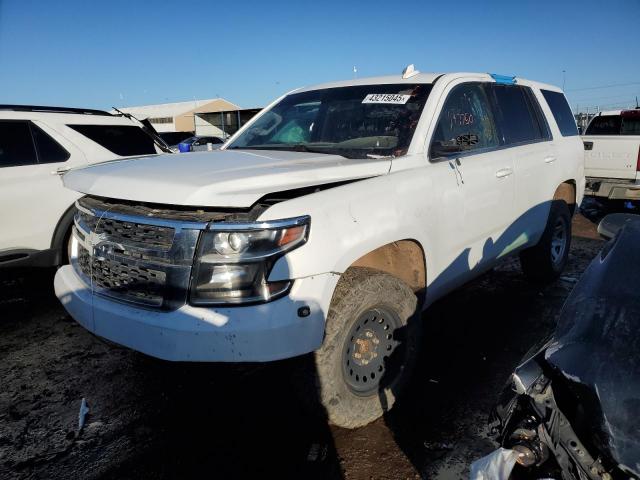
(326, 225)
(37, 145)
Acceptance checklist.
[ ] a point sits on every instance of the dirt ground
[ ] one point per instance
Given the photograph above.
(157, 420)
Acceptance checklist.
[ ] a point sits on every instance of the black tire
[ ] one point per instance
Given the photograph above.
(545, 262)
(386, 349)
(65, 253)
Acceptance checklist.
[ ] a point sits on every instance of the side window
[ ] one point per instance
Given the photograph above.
(543, 125)
(466, 122)
(16, 145)
(123, 140)
(49, 151)
(561, 112)
(516, 119)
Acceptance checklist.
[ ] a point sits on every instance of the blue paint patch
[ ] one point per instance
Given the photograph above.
(504, 79)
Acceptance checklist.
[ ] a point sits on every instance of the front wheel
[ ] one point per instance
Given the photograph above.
(545, 261)
(370, 347)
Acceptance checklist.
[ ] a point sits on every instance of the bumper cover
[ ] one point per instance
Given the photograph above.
(613, 188)
(258, 333)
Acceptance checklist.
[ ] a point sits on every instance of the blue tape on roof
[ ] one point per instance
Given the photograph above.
(504, 79)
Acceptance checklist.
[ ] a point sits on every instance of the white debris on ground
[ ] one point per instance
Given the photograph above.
(495, 466)
(84, 409)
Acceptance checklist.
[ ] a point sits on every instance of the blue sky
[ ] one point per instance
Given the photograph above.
(118, 53)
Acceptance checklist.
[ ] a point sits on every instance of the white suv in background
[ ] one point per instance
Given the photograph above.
(37, 146)
(326, 225)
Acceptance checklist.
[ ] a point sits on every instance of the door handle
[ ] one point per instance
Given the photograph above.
(504, 172)
(61, 171)
(549, 159)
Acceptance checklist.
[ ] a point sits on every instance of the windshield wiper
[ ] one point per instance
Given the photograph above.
(301, 147)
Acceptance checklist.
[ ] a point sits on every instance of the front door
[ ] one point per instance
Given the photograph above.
(466, 143)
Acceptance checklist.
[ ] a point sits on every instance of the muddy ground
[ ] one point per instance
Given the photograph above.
(156, 420)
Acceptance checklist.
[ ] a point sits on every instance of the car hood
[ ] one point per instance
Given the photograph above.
(595, 349)
(224, 178)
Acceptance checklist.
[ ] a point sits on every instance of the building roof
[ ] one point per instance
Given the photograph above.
(179, 108)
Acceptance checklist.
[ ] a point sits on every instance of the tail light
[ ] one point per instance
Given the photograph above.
(638, 161)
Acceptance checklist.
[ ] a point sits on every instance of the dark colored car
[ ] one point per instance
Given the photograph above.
(572, 410)
(197, 143)
(174, 138)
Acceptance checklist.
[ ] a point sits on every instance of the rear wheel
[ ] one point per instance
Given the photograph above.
(545, 261)
(370, 347)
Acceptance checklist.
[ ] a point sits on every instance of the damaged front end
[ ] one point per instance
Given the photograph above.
(572, 410)
(532, 424)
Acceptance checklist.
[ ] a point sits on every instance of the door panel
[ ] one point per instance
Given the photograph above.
(484, 187)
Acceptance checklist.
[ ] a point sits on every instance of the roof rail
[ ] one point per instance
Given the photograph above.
(39, 108)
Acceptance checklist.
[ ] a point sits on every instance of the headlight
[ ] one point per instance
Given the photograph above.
(233, 261)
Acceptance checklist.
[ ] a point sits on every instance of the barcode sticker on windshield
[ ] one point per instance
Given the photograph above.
(386, 98)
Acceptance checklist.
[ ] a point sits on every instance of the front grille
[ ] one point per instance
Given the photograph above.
(139, 283)
(125, 232)
(132, 258)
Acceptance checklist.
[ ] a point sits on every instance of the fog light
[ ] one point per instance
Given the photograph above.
(526, 455)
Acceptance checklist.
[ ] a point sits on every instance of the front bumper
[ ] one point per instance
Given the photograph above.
(257, 333)
(613, 188)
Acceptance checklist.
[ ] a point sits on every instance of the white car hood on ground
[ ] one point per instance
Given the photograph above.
(225, 178)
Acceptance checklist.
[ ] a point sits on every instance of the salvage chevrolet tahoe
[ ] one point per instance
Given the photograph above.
(324, 227)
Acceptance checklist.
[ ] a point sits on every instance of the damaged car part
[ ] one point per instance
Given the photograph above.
(578, 398)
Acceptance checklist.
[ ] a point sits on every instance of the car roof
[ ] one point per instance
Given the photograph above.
(51, 109)
(421, 78)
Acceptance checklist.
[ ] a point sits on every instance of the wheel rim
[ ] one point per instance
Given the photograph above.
(558, 242)
(366, 356)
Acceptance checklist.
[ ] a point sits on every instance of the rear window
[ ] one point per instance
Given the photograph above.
(123, 140)
(604, 125)
(628, 123)
(630, 126)
(561, 112)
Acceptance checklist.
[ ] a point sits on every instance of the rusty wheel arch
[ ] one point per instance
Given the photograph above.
(567, 191)
(403, 259)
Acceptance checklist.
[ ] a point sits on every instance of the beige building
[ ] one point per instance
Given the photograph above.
(183, 116)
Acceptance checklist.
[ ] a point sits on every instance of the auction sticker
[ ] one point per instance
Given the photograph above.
(386, 98)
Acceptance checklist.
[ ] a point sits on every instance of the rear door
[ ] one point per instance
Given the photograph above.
(526, 137)
(612, 146)
(31, 192)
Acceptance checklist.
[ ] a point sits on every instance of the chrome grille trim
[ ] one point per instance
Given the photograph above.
(135, 259)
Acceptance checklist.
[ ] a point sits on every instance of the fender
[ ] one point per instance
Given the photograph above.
(61, 235)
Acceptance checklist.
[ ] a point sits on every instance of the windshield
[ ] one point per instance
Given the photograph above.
(357, 122)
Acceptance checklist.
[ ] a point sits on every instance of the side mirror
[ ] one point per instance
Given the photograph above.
(611, 224)
(462, 143)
